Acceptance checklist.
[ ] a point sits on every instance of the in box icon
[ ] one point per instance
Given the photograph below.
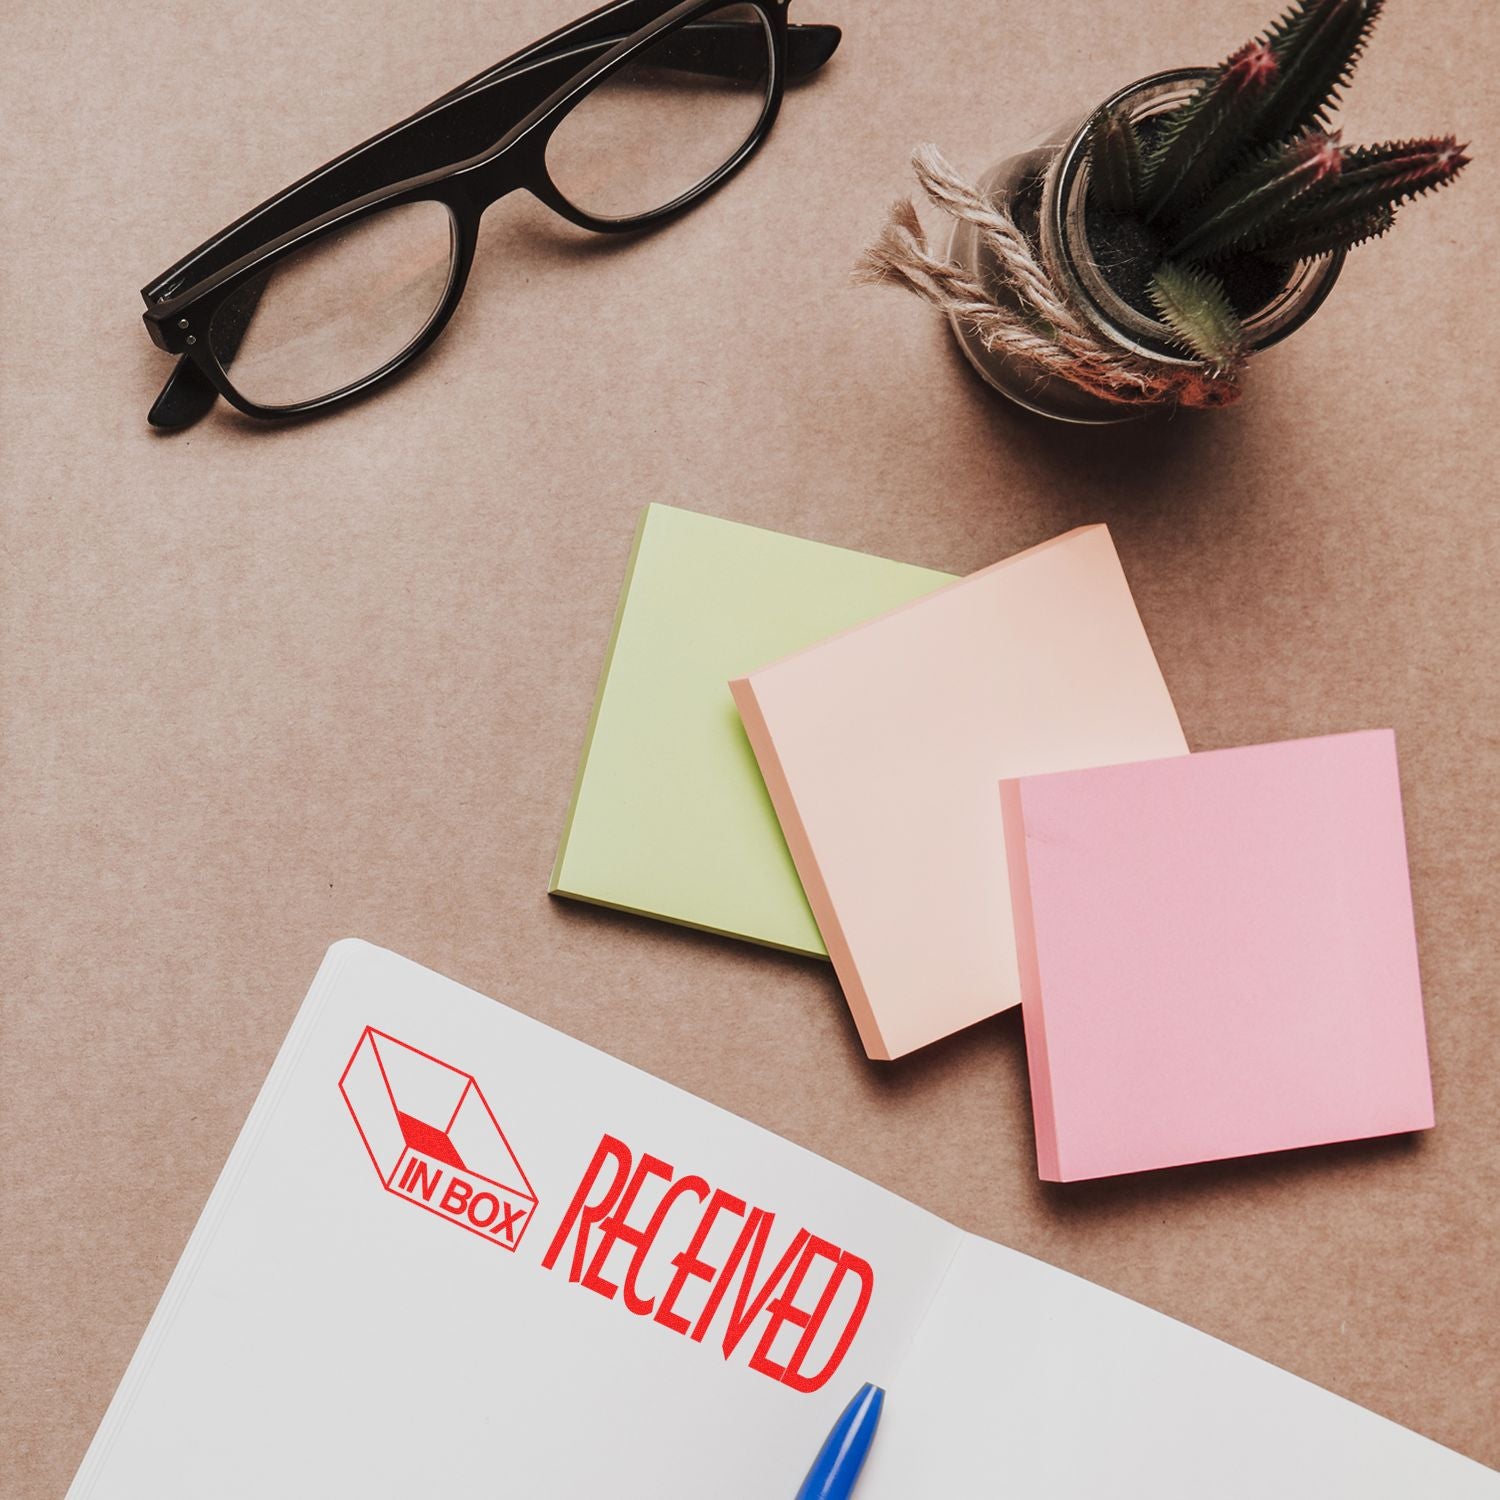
(434, 1140)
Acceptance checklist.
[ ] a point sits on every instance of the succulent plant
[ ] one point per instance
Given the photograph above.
(1206, 204)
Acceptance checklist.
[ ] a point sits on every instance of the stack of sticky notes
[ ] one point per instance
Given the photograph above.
(975, 793)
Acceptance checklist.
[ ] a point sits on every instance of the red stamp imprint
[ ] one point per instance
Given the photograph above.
(434, 1140)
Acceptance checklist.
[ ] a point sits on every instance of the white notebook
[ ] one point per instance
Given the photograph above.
(455, 1253)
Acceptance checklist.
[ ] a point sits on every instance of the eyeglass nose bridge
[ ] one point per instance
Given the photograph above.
(478, 187)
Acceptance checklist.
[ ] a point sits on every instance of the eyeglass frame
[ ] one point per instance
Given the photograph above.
(180, 311)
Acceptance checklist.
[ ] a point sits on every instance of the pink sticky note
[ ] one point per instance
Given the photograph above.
(1217, 955)
(881, 748)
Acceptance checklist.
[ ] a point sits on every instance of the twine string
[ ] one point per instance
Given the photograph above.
(1040, 327)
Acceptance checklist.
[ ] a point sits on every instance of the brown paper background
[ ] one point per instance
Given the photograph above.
(264, 689)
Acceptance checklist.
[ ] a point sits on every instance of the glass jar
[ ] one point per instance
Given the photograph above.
(1045, 188)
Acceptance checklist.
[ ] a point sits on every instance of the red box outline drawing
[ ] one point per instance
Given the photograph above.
(408, 1150)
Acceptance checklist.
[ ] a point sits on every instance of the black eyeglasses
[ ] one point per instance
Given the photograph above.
(619, 122)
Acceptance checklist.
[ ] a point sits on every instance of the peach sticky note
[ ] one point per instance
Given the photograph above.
(1217, 955)
(881, 748)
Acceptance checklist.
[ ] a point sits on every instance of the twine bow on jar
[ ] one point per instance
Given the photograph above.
(1034, 323)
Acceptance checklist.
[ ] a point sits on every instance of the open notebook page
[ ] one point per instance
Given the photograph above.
(457, 1253)
(327, 1335)
(1027, 1381)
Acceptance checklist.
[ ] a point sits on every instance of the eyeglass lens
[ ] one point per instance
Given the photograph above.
(669, 118)
(326, 316)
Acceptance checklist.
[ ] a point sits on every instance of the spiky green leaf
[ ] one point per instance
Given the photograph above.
(1384, 176)
(1211, 129)
(1193, 304)
(1115, 164)
(1317, 45)
(1322, 237)
(1236, 214)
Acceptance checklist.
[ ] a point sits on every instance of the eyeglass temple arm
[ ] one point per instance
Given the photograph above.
(735, 49)
(808, 48)
(464, 123)
(732, 55)
(187, 396)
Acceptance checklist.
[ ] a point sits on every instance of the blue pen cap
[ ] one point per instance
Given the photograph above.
(842, 1455)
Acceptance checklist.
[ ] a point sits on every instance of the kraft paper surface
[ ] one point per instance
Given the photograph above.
(262, 689)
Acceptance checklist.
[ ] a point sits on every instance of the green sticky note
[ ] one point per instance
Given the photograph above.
(670, 817)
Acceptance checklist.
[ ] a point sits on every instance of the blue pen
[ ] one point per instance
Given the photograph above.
(842, 1455)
